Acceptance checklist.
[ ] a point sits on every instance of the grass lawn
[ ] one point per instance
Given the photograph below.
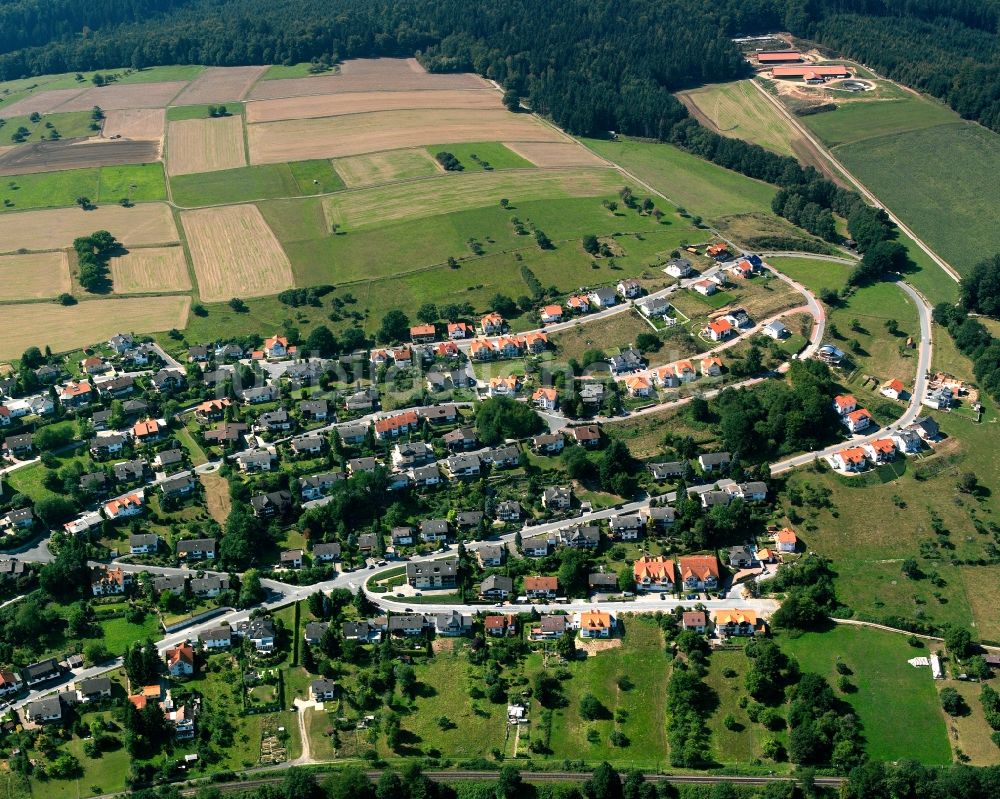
(926, 276)
(982, 586)
(493, 154)
(156, 74)
(743, 744)
(69, 125)
(701, 187)
(120, 633)
(739, 111)
(642, 659)
(897, 703)
(917, 188)
(101, 184)
(644, 434)
(106, 774)
(606, 334)
(813, 273)
(28, 480)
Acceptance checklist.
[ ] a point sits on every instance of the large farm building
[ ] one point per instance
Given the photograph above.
(811, 72)
(779, 57)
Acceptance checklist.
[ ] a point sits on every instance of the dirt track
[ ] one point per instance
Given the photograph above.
(56, 155)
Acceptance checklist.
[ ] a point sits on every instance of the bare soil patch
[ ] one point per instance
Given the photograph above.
(330, 105)
(555, 153)
(205, 145)
(374, 168)
(41, 103)
(368, 74)
(149, 270)
(53, 156)
(146, 223)
(135, 123)
(128, 95)
(67, 328)
(594, 645)
(219, 85)
(217, 496)
(235, 253)
(33, 276)
(298, 140)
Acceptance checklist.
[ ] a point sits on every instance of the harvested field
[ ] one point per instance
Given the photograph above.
(555, 153)
(135, 123)
(67, 328)
(205, 145)
(460, 192)
(54, 156)
(125, 95)
(34, 276)
(375, 168)
(149, 270)
(331, 105)
(235, 253)
(297, 140)
(368, 74)
(219, 85)
(147, 223)
(41, 103)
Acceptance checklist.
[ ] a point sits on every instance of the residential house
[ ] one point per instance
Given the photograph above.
(694, 620)
(699, 572)
(463, 465)
(108, 581)
(95, 365)
(907, 440)
(551, 313)
(500, 626)
(586, 536)
(143, 543)
(178, 486)
(785, 540)
(42, 711)
(168, 457)
(93, 689)
(326, 553)
(549, 628)
(460, 330)
(428, 475)
(653, 306)
(308, 445)
(422, 334)
(661, 517)
(438, 414)
(844, 404)
(226, 433)
(775, 330)
(401, 536)
(452, 624)
(705, 287)
(587, 435)
(638, 386)
(654, 574)
(505, 386)
(209, 586)
(314, 409)
(433, 574)
(362, 465)
(625, 526)
(196, 549)
(852, 459)
(353, 434)
(121, 342)
(628, 360)
(37, 673)
(679, 268)
(469, 519)
(709, 499)
(272, 504)
(364, 631)
(595, 624)
(548, 443)
(322, 689)
(881, 450)
(216, 638)
(938, 398)
(740, 557)
(314, 631)
(462, 438)
(557, 498)
(541, 587)
(668, 470)
(255, 460)
(753, 491)
(603, 297)
(858, 420)
(360, 401)
(414, 454)
(124, 507)
(926, 428)
(496, 586)
(710, 461)
(166, 381)
(545, 398)
(397, 424)
(434, 530)
(731, 623)
(75, 395)
(94, 483)
(492, 324)
(719, 330)
(277, 347)
(18, 519)
(490, 555)
(180, 660)
(601, 582)
(536, 547)
(258, 395)
(505, 457)
(509, 511)
(117, 387)
(19, 446)
(273, 421)
(260, 633)
(198, 353)
(711, 366)
(176, 584)
(291, 559)
(130, 471)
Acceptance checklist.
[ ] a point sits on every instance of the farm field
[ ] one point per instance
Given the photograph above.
(450, 193)
(69, 126)
(220, 85)
(917, 188)
(856, 120)
(555, 153)
(64, 328)
(896, 703)
(235, 253)
(372, 169)
(697, 185)
(100, 184)
(330, 105)
(149, 223)
(248, 183)
(363, 75)
(482, 156)
(739, 111)
(33, 276)
(205, 145)
(52, 156)
(125, 95)
(41, 102)
(135, 123)
(294, 140)
(150, 269)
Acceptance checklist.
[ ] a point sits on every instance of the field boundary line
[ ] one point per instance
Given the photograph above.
(864, 190)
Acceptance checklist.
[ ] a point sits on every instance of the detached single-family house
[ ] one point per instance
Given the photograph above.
(679, 268)
(775, 330)
(785, 540)
(551, 313)
(326, 553)
(124, 507)
(602, 582)
(433, 574)
(595, 624)
(719, 330)
(629, 288)
(209, 586)
(541, 587)
(731, 623)
(42, 711)
(180, 660)
(10, 683)
(315, 486)
(694, 620)
(654, 574)
(858, 420)
(500, 626)
(496, 586)
(271, 504)
(536, 547)
(322, 689)
(216, 638)
(545, 398)
(434, 530)
(740, 557)
(550, 628)
(143, 543)
(845, 404)
(699, 572)
(314, 631)
(881, 450)
(710, 461)
(587, 435)
(291, 559)
(557, 498)
(196, 549)
(260, 633)
(852, 459)
(907, 440)
(604, 297)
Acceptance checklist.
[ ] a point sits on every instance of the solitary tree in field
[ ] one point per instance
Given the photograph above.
(511, 101)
